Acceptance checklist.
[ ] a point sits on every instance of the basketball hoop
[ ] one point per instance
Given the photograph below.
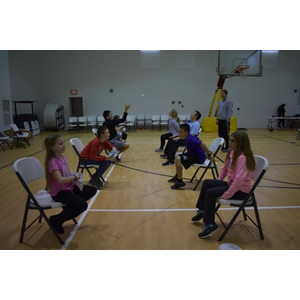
(241, 69)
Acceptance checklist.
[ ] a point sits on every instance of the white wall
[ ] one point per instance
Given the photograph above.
(48, 77)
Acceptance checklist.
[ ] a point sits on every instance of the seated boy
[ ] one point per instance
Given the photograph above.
(197, 152)
(91, 153)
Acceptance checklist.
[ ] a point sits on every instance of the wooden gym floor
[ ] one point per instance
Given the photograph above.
(137, 209)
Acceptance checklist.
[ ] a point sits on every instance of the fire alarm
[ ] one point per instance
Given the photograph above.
(73, 92)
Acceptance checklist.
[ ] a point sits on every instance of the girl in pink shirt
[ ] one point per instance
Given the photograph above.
(238, 165)
(60, 183)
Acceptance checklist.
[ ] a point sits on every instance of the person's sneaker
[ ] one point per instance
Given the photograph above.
(207, 231)
(117, 158)
(159, 150)
(99, 183)
(163, 156)
(177, 185)
(168, 163)
(198, 216)
(56, 224)
(174, 179)
(225, 150)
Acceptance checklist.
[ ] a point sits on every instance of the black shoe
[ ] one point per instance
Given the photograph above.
(174, 179)
(117, 159)
(56, 224)
(225, 150)
(207, 231)
(163, 156)
(177, 185)
(198, 216)
(169, 163)
(96, 182)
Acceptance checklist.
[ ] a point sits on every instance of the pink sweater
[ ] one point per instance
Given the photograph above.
(237, 179)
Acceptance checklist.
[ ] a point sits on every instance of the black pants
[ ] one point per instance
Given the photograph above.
(210, 191)
(163, 139)
(172, 147)
(223, 130)
(75, 201)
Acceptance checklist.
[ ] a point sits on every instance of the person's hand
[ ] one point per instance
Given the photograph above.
(127, 106)
(176, 138)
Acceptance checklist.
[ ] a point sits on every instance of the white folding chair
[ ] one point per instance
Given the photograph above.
(29, 170)
(4, 140)
(92, 121)
(214, 150)
(73, 123)
(141, 121)
(148, 120)
(83, 122)
(155, 121)
(182, 119)
(164, 121)
(100, 120)
(261, 166)
(78, 146)
(19, 137)
(131, 122)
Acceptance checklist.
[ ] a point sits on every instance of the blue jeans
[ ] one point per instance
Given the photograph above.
(103, 166)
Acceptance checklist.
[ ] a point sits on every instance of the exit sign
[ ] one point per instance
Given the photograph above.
(73, 92)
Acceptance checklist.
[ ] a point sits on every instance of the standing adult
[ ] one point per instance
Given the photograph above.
(281, 113)
(224, 114)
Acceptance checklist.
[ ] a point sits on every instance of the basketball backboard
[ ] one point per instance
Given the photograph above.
(240, 62)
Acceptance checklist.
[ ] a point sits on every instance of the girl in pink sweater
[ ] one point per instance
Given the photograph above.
(238, 165)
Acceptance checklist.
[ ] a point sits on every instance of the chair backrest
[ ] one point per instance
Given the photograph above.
(216, 145)
(141, 117)
(14, 127)
(155, 117)
(82, 119)
(261, 166)
(131, 118)
(182, 119)
(100, 119)
(29, 168)
(164, 118)
(77, 143)
(95, 131)
(92, 120)
(73, 119)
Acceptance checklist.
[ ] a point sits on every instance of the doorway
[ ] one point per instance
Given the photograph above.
(76, 106)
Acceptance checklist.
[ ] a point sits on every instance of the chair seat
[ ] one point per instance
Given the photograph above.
(235, 202)
(44, 199)
(24, 135)
(88, 166)
(205, 164)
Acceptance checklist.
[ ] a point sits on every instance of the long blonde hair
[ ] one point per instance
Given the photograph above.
(49, 142)
(175, 115)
